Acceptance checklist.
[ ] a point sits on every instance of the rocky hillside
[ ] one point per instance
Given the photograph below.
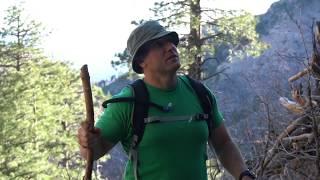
(248, 91)
(250, 87)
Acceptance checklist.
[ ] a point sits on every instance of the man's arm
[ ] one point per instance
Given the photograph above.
(228, 153)
(94, 141)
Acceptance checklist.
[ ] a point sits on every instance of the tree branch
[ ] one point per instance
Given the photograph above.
(7, 66)
(207, 59)
(209, 37)
(172, 15)
(308, 136)
(299, 75)
(216, 73)
(284, 134)
(183, 3)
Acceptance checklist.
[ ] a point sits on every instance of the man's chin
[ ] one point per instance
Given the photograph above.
(175, 67)
(178, 66)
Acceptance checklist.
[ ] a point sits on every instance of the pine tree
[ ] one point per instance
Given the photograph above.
(208, 31)
(41, 107)
(19, 39)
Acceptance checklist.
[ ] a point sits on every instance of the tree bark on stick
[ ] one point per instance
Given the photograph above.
(89, 115)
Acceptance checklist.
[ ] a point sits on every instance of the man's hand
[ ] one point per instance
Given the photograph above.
(92, 140)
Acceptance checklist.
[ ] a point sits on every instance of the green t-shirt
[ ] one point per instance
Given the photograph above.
(169, 150)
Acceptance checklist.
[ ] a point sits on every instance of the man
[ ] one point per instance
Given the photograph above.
(174, 149)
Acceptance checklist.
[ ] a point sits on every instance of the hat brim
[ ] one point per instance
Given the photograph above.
(170, 35)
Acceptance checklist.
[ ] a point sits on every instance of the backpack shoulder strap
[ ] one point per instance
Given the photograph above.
(116, 100)
(140, 110)
(141, 106)
(141, 103)
(205, 99)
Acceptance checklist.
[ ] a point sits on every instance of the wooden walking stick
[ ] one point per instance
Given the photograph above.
(89, 115)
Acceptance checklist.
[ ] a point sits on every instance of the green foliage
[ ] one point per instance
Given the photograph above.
(19, 39)
(39, 128)
(41, 107)
(238, 33)
(122, 60)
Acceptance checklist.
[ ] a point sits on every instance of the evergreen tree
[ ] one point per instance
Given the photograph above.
(19, 39)
(41, 107)
(208, 31)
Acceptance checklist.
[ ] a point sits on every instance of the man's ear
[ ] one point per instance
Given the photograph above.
(143, 64)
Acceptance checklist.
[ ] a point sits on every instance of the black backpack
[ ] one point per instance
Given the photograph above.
(142, 104)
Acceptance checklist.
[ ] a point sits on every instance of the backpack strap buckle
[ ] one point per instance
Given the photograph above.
(202, 116)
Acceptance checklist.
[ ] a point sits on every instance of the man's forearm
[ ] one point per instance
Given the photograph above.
(230, 157)
(102, 148)
(99, 149)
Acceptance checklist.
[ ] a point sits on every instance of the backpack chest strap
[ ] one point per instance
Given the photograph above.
(159, 119)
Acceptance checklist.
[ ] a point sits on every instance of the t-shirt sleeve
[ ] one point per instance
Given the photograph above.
(114, 123)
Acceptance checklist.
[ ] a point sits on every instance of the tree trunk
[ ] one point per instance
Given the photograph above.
(195, 39)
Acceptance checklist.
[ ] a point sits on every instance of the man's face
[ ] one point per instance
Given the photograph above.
(162, 58)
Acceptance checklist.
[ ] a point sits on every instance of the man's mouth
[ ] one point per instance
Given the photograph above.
(172, 57)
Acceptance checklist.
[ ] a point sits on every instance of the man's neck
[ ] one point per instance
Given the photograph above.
(164, 82)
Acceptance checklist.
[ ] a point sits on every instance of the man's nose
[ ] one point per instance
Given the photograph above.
(169, 46)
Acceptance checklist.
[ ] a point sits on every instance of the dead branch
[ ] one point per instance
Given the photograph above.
(295, 152)
(308, 136)
(299, 75)
(284, 134)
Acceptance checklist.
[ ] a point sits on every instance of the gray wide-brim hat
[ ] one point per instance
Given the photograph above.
(144, 33)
